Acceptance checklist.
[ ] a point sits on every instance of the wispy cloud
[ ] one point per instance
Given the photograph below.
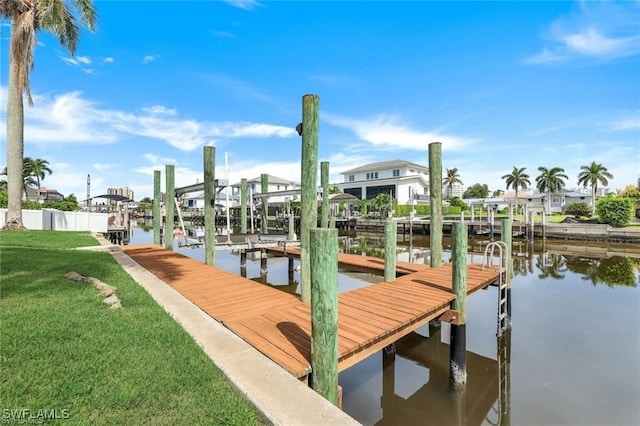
(627, 122)
(150, 58)
(224, 34)
(244, 4)
(387, 131)
(86, 63)
(102, 166)
(599, 30)
(70, 118)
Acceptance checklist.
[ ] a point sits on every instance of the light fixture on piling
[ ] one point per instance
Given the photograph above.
(299, 129)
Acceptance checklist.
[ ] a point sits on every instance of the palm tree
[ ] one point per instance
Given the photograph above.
(591, 175)
(27, 17)
(452, 177)
(38, 167)
(517, 179)
(550, 180)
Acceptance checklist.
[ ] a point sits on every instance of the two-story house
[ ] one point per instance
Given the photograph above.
(402, 180)
(274, 184)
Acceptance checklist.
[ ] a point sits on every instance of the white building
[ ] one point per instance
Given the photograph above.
(453, 190)
(275, 184)
(401, 179)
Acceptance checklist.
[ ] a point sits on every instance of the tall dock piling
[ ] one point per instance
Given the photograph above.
(324, 312)
(308, 203)
(324, 182)
(243, 206)
(507, 238)
(170, 204)
(264, 211)
(435, 198)
(157, 212)
(390, 240)
(209, 160)
(458, 343)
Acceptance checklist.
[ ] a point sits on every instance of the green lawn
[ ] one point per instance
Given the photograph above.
(62, 348)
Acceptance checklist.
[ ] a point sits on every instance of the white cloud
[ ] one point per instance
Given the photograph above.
(629, 122)
(244, 4)
(387, 131)
(600, 30)
(108, 60)
(149, 58)
(102, 166)
(69, 118)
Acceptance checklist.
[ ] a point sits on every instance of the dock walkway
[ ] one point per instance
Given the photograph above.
(278, 324)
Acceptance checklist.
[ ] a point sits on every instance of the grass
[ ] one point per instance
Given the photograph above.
(62, 348)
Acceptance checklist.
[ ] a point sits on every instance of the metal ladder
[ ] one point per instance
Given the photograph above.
(501, 247)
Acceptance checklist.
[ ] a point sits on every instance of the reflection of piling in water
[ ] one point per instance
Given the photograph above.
(482, 401)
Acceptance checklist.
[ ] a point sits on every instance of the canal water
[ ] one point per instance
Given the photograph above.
(572, 356)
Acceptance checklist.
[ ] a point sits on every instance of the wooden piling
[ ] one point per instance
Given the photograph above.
(308, 203)
(458, 344)
(291, 234)
(435, 197)
(507, 238)
(264, 212)
(390, 256)
(263, 261)
(209, 163)
(170, 205)
(324, 182)
(532, 218)
(324, 312)
(157, 211)
(243, 259)
(243, 206)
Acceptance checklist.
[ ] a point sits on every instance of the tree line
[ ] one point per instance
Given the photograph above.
(549, 180)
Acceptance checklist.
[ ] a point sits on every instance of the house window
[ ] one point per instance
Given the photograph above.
(396, 172)
(352, 178)
(372, 175)
(278, 187)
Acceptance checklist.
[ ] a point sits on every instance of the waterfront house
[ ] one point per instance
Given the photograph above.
(44, 194)
(555, 202)
(402, 180)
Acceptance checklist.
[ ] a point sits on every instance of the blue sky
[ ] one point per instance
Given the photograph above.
(500, 84)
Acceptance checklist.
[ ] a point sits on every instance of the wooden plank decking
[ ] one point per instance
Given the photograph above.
(356, 262)
(279, 325)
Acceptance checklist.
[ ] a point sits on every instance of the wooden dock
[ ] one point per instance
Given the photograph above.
(278, 324)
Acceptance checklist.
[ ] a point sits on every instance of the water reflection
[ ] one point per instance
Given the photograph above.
(485, 399)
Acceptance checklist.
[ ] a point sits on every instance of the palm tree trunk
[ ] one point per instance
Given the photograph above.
(593, 199)
(15, 146)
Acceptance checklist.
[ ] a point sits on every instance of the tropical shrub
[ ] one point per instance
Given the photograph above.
(615, 211)
(578, 210)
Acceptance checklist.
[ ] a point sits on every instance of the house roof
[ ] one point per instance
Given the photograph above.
(114, 197)
(384, 165)
(271, 179)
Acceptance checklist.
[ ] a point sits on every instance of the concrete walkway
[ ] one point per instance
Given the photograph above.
(282, 398)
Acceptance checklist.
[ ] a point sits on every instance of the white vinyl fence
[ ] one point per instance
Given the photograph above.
(52, 219)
